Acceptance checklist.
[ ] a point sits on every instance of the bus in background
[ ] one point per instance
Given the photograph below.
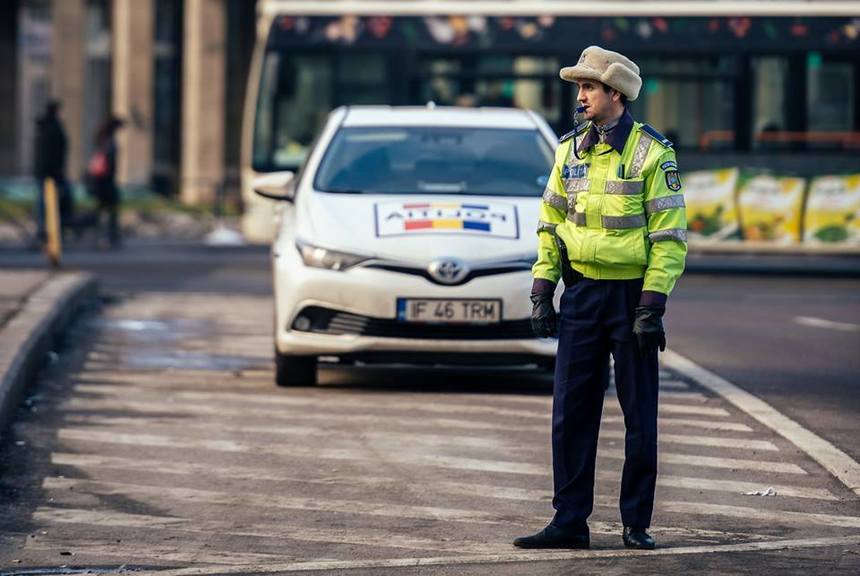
(756, 83)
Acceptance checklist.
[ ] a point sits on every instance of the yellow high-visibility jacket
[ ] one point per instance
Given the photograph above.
(620, 215)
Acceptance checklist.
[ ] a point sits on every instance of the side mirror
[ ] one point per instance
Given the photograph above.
(275, 186)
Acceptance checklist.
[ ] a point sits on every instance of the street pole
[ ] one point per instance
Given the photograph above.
(54, 244)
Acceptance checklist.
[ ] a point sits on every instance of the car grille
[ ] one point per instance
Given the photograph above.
(326, 321)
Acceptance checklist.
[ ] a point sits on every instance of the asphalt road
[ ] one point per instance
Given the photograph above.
(157, 441)
(794, 342)
(753, 330)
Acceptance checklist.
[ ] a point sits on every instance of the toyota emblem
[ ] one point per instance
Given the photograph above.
(448, 270)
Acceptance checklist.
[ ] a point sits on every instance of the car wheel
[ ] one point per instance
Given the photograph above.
(295, 370)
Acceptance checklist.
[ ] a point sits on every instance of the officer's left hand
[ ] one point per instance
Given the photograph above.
(648, 328)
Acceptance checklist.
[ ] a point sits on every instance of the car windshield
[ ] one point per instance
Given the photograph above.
(434, 160)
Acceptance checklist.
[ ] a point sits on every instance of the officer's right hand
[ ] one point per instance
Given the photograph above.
(544, 318)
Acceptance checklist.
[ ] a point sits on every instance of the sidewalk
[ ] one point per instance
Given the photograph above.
(35, 307)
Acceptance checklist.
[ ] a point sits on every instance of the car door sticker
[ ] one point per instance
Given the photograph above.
(495, 219)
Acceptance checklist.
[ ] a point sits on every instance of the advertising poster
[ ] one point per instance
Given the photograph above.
(711, 208)
(771, 208)
(833, 210)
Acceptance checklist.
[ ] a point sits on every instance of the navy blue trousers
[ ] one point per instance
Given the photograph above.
(596, 320)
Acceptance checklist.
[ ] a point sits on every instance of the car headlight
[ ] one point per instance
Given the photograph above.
(317, 257)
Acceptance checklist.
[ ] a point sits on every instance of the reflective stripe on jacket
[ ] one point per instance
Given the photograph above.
(616, 225)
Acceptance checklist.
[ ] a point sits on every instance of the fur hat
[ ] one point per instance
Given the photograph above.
(611, 68)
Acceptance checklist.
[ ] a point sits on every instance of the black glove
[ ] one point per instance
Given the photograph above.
(544, 319)
(648, 328)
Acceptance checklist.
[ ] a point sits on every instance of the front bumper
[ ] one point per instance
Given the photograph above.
(356, 313)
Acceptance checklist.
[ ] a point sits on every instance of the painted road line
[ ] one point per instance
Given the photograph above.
(94, 549)
(713, 462)
(670, 384)
(93, 463)
(834, 460)
(496, 442)
(212, 497)
(710, 441)
(612, 392)
(396, 452)
(518, 557)
(278, 531)
(716, 425)
(777, 517)
(323, 402)
(182, 408)
(352, 536)
(826, 324)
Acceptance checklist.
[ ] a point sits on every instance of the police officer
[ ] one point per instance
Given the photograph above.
(613, 228)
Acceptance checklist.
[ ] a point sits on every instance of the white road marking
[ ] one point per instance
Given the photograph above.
(710, 441)
(94, 463)
(396, 452)
(127, 550)
(323, 402)
(280, 530)
(837, 462)
(717, 425)
(666, 382)
(516, 556)
(499, 441)
(197, 408)
(827, 324)
(374, 537)
(779, 517)
(211, 497)
(713, 462)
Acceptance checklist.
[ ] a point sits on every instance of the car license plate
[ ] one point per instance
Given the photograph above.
(449, 311)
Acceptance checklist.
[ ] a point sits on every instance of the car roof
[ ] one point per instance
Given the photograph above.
(438, 116)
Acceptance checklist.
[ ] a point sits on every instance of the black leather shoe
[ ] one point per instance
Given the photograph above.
(554, 537)
(637, 538)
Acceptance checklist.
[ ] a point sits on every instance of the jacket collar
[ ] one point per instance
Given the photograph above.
(616, 138)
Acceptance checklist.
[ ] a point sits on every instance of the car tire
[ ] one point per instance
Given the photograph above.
(292, 371)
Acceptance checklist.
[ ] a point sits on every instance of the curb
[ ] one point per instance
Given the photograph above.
(31, 333)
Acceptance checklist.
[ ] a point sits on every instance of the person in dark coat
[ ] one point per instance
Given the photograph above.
(101, 176)
(51, 151)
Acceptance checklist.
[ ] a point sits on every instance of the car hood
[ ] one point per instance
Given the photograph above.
(419, 228)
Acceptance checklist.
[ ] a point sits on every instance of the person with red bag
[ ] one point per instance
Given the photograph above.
(101, 179)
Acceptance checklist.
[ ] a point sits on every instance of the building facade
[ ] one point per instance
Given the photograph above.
(173, 70)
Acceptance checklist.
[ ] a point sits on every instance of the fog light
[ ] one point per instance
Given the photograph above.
(302, 323)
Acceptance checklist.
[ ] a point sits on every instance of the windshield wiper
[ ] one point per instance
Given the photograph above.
(345, 191)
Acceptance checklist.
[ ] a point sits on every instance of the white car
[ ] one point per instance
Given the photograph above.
(408, 236)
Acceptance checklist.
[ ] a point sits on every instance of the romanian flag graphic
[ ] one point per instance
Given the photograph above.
(497, 219)
(446, 223)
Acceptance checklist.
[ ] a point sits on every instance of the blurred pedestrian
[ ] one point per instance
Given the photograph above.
(613, 228)
(50, 152)
(101, 180)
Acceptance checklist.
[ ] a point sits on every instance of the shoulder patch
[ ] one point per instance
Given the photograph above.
(648, 129)
(575, 132)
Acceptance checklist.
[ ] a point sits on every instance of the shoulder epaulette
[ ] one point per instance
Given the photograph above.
(575, 132)
(648, 129)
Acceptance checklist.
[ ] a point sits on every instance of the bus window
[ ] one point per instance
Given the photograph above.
(294, 100)
(831, 93)
(362, 79)
(770, 109)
